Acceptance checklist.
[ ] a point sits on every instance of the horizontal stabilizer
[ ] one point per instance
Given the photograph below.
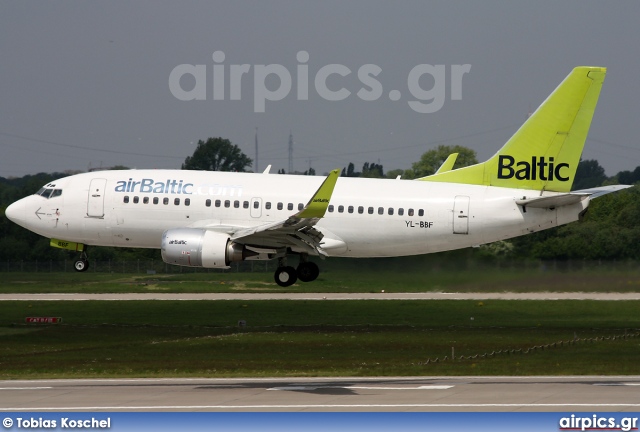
(552, 201)
(568, 198)
(602, 190)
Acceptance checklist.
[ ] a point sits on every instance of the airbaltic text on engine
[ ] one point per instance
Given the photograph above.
(539, 168)
(172, 186)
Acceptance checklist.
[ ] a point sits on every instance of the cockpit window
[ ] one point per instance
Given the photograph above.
(47, 192)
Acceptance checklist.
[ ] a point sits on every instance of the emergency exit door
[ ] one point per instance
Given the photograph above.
(256, 207)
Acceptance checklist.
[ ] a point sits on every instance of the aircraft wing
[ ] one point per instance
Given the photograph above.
(568, 198)
(297, 230)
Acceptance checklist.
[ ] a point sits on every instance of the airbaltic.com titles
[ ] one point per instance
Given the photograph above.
(173, 186)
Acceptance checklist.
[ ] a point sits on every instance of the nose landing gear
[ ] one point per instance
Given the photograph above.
(82, 264)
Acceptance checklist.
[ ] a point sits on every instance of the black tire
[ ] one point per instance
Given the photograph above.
(308, 271)
(81, 265)
(285, 276)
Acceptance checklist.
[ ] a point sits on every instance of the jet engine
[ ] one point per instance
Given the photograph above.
(196, 247)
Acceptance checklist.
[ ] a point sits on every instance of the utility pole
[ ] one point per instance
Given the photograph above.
(255, 169)
(290, 152)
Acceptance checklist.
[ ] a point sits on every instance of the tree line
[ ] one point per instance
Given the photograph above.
(610, 230)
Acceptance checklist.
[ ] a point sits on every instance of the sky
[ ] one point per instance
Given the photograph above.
(137, 83)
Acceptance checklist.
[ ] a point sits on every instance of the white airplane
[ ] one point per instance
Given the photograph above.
(212, 219)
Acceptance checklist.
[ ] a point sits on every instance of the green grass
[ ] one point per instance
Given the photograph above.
(314, 338)
(367, 278)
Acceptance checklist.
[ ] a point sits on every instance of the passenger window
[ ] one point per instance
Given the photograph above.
(236, 204)
(370, 210)
(126, 199)
(136, 200)
(245, 204)
(290, 206)
(218, 203)
(300, 206)
(280, 206)
(208, 203)
(176, 201)
(330, 208)
(390, 211)
(360, 209)
(410, 212)
(145, 200)
(165, 201)
(227, 203)
(187, 202)
(380, 210)
(267, 205)
(155, 200)
(400, 211)
(420, 212)
(350, 209)
(256, 204)
(341, 209)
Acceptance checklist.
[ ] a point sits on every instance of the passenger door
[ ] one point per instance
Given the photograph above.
(95, 202)
(461, 215)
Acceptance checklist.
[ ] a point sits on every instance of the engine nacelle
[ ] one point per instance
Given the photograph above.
(196, 247)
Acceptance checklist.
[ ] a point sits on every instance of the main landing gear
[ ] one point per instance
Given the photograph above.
(307, 271)
(82, 264)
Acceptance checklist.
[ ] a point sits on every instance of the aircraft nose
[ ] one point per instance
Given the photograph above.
(16, 212)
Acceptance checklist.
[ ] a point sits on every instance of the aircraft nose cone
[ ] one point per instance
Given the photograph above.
(16, 212)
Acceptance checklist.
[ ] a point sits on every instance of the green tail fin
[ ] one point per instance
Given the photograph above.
(544, 153)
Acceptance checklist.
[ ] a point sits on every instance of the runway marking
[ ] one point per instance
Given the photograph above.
(321, 296)
(425, 387)
(332, 406)
(619, 378)
(24, 388)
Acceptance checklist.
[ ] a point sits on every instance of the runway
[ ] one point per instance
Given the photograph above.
(399, 394)
(576, 394)
(326, 296)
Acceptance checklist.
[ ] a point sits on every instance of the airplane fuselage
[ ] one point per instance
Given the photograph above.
(365, 217)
